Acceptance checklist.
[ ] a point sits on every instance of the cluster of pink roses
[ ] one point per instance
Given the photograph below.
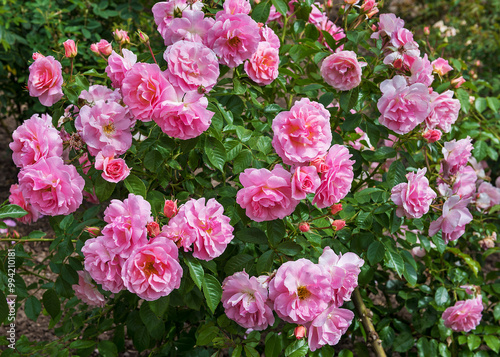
(299, 292)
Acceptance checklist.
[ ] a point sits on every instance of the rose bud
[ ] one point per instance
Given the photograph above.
(153, 229)
(94, 48)
(432, 136)
(143, 37)
(304, 227)
(93, 231)
(336, 208)
(299, 332)
(457, 82)
(70, 49)
(338, 224)
(37, 55)
(170, 208)
(427, 30)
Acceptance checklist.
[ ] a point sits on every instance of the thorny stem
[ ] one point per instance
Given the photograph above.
(151, 51)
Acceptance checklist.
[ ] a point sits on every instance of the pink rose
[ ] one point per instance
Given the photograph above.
(456, 155)
(336, 32)
(134, 209)
(144, 88)
(432, 135)
(164, 12)
(305, 180)
(336, 182)
(457, 82)
(121, 36)
(328, 327)
(233, 38)
(441, 66)
(52, 187)
(266, 195)
(421, 71)
(342, 70)
(444, 111)
(103, 47)
(86, 291)
(153, 270)
(118, 66)
(114, 170)
(267, 34)
(454, 217)
(415, 197)
(35, 139)
(465, 182)
(192, 26)
(303, 133)
(300, 291)
(262, 67)
(98, 92)
(487, 196)
(304, 227)
(245, 301)
(388, 24)
(191, 65)
(170, 208)
(403, 107)
(17, 198)
(179, 232)
(103, 266)
(338, 224)
(274, 15)
(70, 50)
(465, 315)
(45, 80)
(237, 7)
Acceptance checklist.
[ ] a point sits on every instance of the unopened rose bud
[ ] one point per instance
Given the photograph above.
(15, 234)
(94, 48)
(304, 227)
(457, 82)
(153, 229)
(472, 99)
(37, 55)
(299, 332)
(336, 208)
(488, 242)
(432, 135)
(478, 63)
(372, 13)
(93, 231)
(374, 28)
(70, 49)
(338, 224)
(121, 36)
(469, 289)
(143, 37)
(201, 89)
(170, 208)
(103, 47)
(427, 30)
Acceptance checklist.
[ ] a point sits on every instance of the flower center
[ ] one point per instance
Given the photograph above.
(109, 129)
(303, 293)
(234, 41)
(149, 269)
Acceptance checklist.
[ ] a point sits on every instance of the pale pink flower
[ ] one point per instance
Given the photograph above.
(465, 182)
(300, 291)
(118, 66)
(358, 143)
(342, 70)
(487, 196)
(237, 7)
(403, 107)
(454, 217)
(403, 50)
(45, 80)
(267, 34)
(262, 67)
(266, 195)
(303, 133)
(441, 66)
(191, 65)
(432, 135)
(114, 170)
(97, 92)
(336, 182)
(17, 198)
(35, 139)
(52, 187)
(192, 26)
(181, 233)
(86, 291)
(465, 315)
(344, 271)
(245, 301)
(103, 266)
(328, 327)
(164, 12)
(144, 89)
(388, 24)
(305, 180)
(414, 197)
(153, 270)
(456, 155)
(233, 38)
(105, 124)
(70, 49)
(444, 111)
(421, 71)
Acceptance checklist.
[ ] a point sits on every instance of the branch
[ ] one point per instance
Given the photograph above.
(365, 315)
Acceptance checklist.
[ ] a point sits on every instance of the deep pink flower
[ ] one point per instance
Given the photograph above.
(237, 7)
(266, 195)
(344, 271)
(300, 291)
(432, 135)
(118, 66)
(86, 291)
(421, 71)
(456, 155)
(444, 111)
(52, 187)
(441, 66)
(304, 227)
(170, 208)
(338, 224)
(465, 315)
(487, 196)
(233, 38)
(305, 180)
(414, 197)
(303, 133)
(342, 70)
(403, 107)
(388, 24)
(45, 80)
(164, 12)
(328, 327)
(454, 217)
(97, 92)
(192, 26)
(274, 15)
(105, 124)
(336, 182)
(245, 301)
(35, 139)
(17, 198)
(103, 266)
(191, 65)
(153, 270)
(113, 170)
(262, 67)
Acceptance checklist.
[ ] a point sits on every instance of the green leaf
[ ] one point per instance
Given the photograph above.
(237, 351)
(492, 342)
(410, 274)
(441, 296)
(480, 150)
(107, 349)
(251, 235)
(274, 345)
(471, 263)
(351, 122)
(297, 348)
(135, 185)
(275, 231)
(394, 261)
(51, 303)
(444, 351)
(81, 344)
(463, 97)
(251, 352)
(473, 342)
(345, 353)
(480, 104)
(348, 99)
(103, 188)
(4, 308)
(238, 263)
(92, 72)
(195, 270)
(380, 154)
(212, 291)
(153, 160)
(289, 248)
(281, 6)
(216, 153)
(396, 174)
(265, 262)
(206, 335)
(493, 103)
(12, 211)
(496, 312)
(260, 13)
(403, 342)
(242, 161)
(375, 253)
